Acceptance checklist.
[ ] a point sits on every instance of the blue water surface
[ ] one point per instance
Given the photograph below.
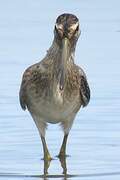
(26, 32)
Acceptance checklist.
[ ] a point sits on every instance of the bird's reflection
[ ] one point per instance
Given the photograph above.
(46, 166)
(63, 165)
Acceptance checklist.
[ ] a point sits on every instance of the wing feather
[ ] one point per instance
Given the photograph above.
(22, 96)
(84, 91)
(22, 92)
(84, 88)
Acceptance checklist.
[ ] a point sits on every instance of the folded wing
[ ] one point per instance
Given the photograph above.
(84, 89)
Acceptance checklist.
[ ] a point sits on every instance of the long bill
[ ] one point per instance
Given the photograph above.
(64, 59)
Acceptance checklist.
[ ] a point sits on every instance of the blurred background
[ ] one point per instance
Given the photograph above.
(26, 32)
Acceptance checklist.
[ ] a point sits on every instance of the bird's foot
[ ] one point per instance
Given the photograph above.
(47, 157)
(62, 155)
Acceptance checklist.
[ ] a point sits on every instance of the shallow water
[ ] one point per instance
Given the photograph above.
(94, 141)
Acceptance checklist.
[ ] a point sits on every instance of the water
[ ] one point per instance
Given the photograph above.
(26, 32)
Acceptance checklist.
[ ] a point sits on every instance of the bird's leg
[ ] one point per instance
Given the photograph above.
(47, 156)
(62, 152)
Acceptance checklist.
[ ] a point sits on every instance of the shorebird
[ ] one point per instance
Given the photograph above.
(54, 89)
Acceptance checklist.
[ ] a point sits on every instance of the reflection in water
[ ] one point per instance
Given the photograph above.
(46, 166)
(63, 165)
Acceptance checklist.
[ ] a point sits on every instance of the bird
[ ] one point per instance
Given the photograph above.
(55, 88)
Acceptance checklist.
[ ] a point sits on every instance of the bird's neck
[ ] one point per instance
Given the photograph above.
(55, 51)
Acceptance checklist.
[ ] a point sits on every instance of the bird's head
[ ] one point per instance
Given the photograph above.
(67, 27)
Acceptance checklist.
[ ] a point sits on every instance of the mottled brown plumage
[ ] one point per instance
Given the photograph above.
(54, 89)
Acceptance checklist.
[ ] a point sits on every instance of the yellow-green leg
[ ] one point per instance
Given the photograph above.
(47, 156)
(62, 152)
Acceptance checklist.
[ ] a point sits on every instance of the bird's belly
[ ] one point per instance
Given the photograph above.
(54, 112)
(55, 107)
